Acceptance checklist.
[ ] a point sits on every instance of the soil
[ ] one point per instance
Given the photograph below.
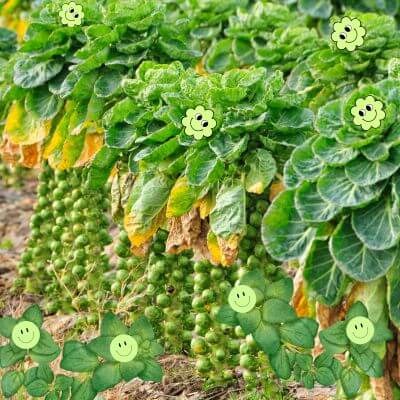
(180, 380)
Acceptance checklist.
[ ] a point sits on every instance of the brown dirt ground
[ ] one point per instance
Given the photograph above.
(180, 380)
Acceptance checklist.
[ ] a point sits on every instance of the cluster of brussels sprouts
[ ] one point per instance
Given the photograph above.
(65, 252)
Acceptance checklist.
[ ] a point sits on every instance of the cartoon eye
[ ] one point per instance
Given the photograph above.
(199, 117)
(361, 113)
(342, 36)
(76, 15)
(355, 326)
(22, 332)
(119, 344)
(243, 294)
(204, 124)
(368, 107)
(238, 296)
(27, 330)
(71, 10)
(361, 325)
(347, 28)
(124, 343)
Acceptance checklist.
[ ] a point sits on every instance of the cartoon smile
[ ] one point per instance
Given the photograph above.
(124, 355)
(361, 337)
(242, 299)
(197, 130)
(26, 341)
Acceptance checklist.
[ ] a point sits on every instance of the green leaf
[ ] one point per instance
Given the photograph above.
(280, 363)
(29, 73)
(111, 325)
(220, 56)
(46, 350)
(101, 167)
(350, 380)
(249, 321)
(311, 206)
(83, 391)
(335, 187)
(43, 104)
(325, 376)
(376, 151)
(37, 388)
(6, 326)
(152, 371)
(276, 311)
(393, 295)
(9, 355)
(322, 274)
(106, 376)
(267, 337)
(131, 370)
(45, 373)
(377, 225)
(62, 382)
(282, 289)
(159, 153)
(334, 339)
(364, 172)
(367, 361)
(226, 148)
(255, 279)
(107, 84)
(328, 120)
(228, 217)
(295, 334)
(283, 232)
(142, 327)
(11, 382)
(227, 316)
(120, 136)
(262, 169)
(33, 314)
(203, 167)
(333, 153)
(78, 358)
(305, 163)
(355, 259)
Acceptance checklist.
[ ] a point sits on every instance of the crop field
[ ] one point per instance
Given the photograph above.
(199, 199)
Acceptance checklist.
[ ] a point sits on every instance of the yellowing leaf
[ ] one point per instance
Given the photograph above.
(200, 68)
(134, 228)
(181, 198)
(71, 151)
(213, 247)
(205, 205)
(275, 189)
(22, 128)
(93, 143)
(31, 155)
(21, 28)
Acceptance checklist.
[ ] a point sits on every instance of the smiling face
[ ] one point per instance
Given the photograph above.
(124, 348)
(71, 14)
(368, 113)
(199, 122)
(25, 335)
(348, 34)
(360, 330)
(242, 299)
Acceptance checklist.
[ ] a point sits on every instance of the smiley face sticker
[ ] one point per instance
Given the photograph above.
(348, 33)
(199, 122)
(124, 348)
(368, 113)
(360, 330)
(242, 299)
(71, 14)
(25, 335)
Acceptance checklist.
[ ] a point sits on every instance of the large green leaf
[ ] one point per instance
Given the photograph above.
(106, 376)
(277, 311)
(280, 363)
(305, 163)
(393, 294)
(350, 380)
(355, 259)
(262, 169)
(42, 103)
(267, 337)
(29, 73)
(203, 167)
(316, 8)
(363, 172)
(78, 358)
(228, 216)
(335, 187)
(377, 225)
(328, 120)
(295, 334)
(283, 232)
(311, 206)
(333, 153)
(323, 275)
(101, 167)
(11, 383)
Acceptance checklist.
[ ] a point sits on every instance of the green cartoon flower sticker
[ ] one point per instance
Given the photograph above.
(199, 122)
(348, 33)
(27, 338)
(368, 113)
(71, 14)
